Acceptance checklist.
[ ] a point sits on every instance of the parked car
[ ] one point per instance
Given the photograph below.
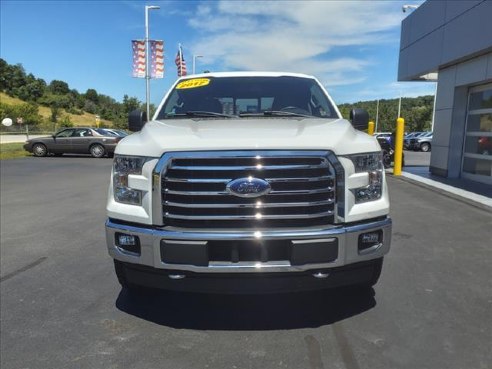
(421, 143)
(385, 135)
(388, 152)
(80, 140)
(112, 132)
(408, 137)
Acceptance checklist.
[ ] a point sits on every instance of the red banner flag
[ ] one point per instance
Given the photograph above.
(156, 59)
(138, 69)
(180, 63)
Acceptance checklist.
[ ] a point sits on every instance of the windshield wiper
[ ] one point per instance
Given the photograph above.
(200, 113)
(283, 113)
(275, 113)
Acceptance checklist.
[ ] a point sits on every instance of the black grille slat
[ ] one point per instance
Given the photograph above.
(194, 191)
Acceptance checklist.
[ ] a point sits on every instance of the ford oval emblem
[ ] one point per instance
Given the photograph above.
(248, 187)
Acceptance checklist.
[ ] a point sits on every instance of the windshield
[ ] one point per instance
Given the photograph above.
(247, 96)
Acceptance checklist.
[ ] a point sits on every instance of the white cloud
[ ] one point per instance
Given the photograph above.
(295, 36)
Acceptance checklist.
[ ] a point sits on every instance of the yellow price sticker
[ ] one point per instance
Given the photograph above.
(193, 83)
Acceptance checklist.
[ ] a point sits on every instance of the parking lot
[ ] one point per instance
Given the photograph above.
(61, 305)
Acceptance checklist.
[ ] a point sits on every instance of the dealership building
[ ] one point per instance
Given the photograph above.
(451, 42)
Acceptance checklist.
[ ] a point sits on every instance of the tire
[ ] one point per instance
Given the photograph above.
(120, 273)
(377, 268)
(97, 151)
(132, 289)
(425, 147)
(39, 150)
(386, 159)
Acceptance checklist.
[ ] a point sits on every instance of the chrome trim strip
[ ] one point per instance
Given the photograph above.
(249, 264)
(225, 181)
(316, 240)
(249, 167)
(248, 217)
(221, 193)
(371, 249)
(231, 235)
(181, 242)
(262, 205)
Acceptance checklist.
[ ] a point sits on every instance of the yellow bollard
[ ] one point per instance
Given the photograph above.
(400, 125)
(370, 128)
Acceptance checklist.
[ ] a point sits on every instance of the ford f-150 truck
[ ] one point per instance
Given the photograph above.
(248, 182)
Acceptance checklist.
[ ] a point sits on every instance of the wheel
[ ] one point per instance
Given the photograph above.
(39, 150)
(97, 151)
(386, 159)
(120, 274)
(377, 268)
(425, 147)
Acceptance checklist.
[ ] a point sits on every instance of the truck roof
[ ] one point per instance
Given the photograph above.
(247, 74)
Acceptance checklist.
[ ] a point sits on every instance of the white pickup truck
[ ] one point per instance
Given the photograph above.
(248, 182)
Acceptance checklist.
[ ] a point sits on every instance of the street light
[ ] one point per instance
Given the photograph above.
(194, 58)
(406, 8)
(147, 75)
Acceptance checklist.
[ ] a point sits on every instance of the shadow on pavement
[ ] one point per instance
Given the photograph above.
(246, 312)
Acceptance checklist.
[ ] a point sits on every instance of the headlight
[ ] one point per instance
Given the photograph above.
(372, 164)
(122, 167)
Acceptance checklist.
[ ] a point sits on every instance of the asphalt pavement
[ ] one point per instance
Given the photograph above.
(61, 305)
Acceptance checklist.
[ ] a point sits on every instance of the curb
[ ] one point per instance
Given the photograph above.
(470, 198)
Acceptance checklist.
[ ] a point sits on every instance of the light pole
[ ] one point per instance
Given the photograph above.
(377, 115)
(399, 106)
(194, 58)
(406, 8)
(147, 74)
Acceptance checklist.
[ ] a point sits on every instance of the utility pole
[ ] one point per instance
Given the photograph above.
(377, 114)
(399, 107)
(147, 74)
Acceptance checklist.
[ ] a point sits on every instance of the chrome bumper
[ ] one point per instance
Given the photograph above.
(150, 240)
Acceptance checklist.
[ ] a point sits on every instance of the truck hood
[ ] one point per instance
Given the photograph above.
(158, 137)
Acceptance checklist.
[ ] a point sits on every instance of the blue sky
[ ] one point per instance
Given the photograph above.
(350, 46)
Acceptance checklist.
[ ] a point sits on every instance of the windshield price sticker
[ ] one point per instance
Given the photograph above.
(193, 83)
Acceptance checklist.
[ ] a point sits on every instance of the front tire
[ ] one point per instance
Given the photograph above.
(39, 150)
(376, 273)
(97, 151)
(425, 147)
(120, 274)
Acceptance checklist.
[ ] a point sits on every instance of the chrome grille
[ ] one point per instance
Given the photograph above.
(194, 191)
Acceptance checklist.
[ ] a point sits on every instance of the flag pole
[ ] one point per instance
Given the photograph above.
(147, 74)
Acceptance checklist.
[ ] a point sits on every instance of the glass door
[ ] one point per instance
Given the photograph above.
(477, 148)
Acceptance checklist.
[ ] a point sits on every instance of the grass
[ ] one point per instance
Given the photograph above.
(84, 120)
(12, 151)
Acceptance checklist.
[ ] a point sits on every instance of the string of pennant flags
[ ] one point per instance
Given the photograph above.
(156, 69)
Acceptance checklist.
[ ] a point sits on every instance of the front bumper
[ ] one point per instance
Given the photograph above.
(343, 240)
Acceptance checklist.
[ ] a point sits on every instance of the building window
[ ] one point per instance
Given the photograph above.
(477, 148)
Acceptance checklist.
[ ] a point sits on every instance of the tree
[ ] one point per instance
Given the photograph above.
(59, 87)
(92, 95)
(130, 104)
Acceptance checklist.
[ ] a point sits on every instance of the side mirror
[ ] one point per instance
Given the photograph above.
(136, 120)
(359, 118)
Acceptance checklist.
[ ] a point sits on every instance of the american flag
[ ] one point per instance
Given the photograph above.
(156, 59)
(138, 47)
(180, 63)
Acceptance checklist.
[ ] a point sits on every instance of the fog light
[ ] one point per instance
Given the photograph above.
(128, 243)
(370, 241)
